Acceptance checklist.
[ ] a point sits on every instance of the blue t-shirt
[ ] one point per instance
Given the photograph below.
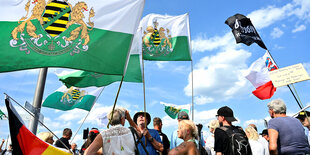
(149, 147)
(291, 138)
(175, 141)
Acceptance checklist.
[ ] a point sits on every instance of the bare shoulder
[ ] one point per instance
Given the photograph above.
(184, 148)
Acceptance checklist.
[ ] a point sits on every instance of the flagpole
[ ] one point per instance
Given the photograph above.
(86, 116)
(287, 85)
(192, 90)
(30, 113)
(119, 88)
(144, 102)
(37, 101)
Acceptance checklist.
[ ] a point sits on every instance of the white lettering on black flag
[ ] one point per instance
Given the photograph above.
(244, 31)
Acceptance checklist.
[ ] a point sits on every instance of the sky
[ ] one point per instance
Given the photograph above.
(218, 67)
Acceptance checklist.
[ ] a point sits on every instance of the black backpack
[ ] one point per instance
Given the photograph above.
(239, 144)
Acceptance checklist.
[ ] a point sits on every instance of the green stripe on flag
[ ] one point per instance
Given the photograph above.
(107, 50)
(83, 79)
(173, 112)
(180, 51)
(57, 101)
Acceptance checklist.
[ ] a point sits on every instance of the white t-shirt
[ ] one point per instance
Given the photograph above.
(256, 147)
(118, 140)
(265, 143)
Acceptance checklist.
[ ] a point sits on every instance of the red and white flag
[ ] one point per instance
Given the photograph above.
(257, 74)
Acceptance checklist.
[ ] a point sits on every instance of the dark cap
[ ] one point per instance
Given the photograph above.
(302, 115)
(183, 115)
(148, 117)
(227, 113)
(264, 132)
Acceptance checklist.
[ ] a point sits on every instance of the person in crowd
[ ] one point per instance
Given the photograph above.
(188, 132)
(66, 136)
(222, 141)
(256, 147)
(286, 134)
(262, 140)
(264, 134)
(175, 141)
(117, 139)
(47, 137)
(213, 124)
(153, 141)
(157, 123)
(74, 149)
(8, 151)
(91, 137)
(304, 118)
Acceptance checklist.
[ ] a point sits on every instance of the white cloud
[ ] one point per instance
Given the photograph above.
(219, 77)
(201, 100)
(299, 28)
(276, 33)
(202, 44)
(161, 64)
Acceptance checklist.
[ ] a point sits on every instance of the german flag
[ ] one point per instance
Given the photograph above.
(25, 142)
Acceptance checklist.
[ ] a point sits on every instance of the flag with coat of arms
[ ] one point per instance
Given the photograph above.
(87, 35)
(69, 98)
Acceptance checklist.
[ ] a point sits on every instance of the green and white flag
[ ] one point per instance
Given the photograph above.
(2, 115)
(166, 38)
(173, 110)
(86, 79)
(73, 97)
(93, 35)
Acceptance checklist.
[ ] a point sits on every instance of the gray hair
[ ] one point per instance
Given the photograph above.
(278, 106)
(118, 114)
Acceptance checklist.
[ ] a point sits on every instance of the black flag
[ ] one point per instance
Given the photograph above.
(244, 31)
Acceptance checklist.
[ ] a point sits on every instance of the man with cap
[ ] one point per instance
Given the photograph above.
(222, 142)
(153, 141)
(304, 118)
(175, 141)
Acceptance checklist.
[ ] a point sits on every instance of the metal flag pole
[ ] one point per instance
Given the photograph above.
(144, 101)
(192, 90)
(300, 106)
(37, 101)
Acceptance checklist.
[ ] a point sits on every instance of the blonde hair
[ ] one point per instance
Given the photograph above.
(45, 136)
(118, 114)
(189, 125)
(213, 124)
(252, 133)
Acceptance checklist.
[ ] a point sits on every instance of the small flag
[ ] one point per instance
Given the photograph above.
(257, 74)
(2, 115)
(69, 98)
(166, 38)
(25, 142)
(173, 110)
(244, 31)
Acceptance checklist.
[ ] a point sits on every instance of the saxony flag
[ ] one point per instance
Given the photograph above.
(166, 38)
(88, 35)
(69, 98)
(25, 142)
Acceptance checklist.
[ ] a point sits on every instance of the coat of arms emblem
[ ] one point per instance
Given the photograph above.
(53, 28)
(156, 42)
(72, 96)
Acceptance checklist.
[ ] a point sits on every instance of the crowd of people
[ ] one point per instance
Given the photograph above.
(285, 135)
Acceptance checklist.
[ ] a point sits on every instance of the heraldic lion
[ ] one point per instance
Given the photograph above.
(36, 14)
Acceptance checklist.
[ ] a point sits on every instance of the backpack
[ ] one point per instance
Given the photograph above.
(239, 144)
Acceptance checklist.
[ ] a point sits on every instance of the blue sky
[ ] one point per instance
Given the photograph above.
(218, 65)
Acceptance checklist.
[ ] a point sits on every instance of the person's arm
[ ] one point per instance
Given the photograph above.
(181, 149)
(157, 145)
(218, 153)
(273, 138)
(2, 145)
(130, 121)
(94, 146)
